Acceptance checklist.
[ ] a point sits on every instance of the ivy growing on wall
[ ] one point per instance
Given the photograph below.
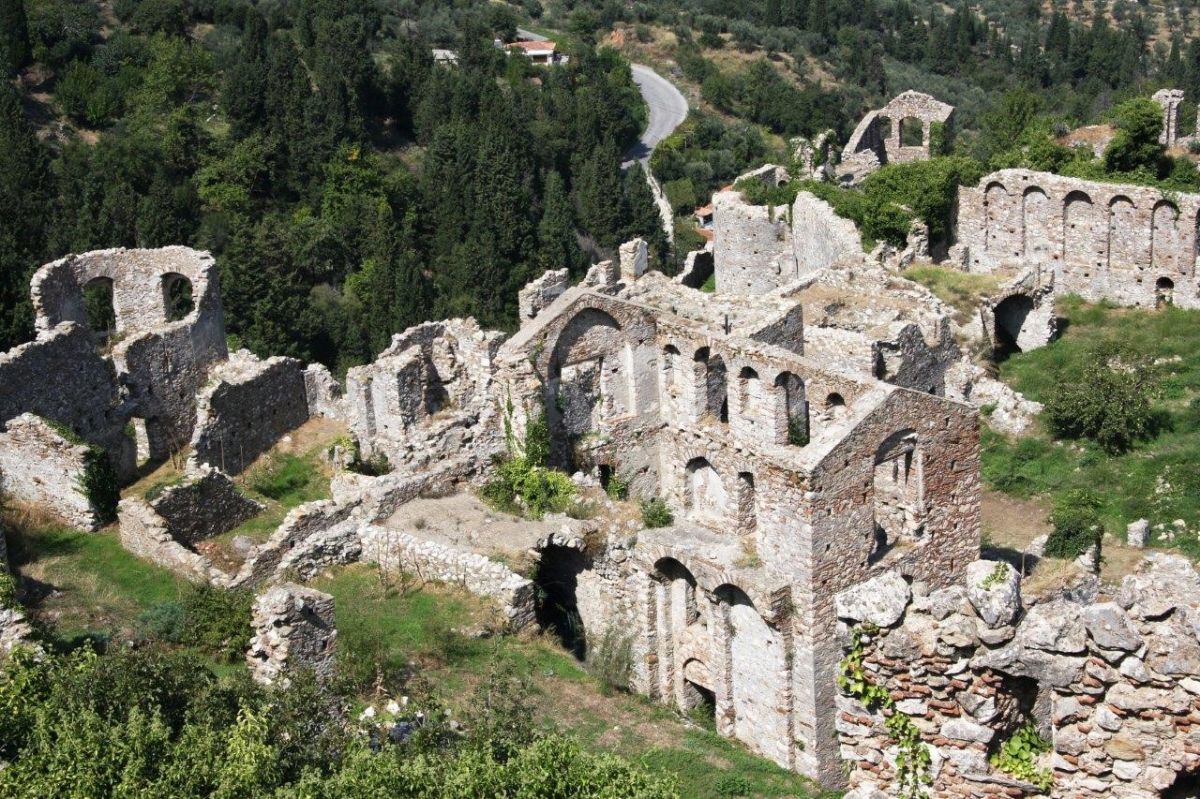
(912, 758)
(98, 484)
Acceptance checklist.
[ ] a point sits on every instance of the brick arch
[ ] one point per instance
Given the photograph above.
(996, 200)
(1125, 251)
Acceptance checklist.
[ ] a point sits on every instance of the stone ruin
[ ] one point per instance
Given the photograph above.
(1170, 100)
(1110, 682)
(900, 131)
(809, 425)
(293, 629)
(1131, 245)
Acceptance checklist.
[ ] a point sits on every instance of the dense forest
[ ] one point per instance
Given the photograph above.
(348, 186)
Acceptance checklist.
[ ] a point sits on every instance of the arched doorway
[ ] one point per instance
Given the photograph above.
(557, 609)
(1164, 292)
(1010, 316)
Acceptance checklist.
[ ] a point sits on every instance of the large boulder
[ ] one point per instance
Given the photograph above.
(880, 601)
(994, 590)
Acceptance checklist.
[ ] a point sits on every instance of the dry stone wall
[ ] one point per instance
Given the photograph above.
(821, 237)
(293, 629)
(1131, 245)
(40, 466)
(247, 407)
(395, 550)
(1111, 684)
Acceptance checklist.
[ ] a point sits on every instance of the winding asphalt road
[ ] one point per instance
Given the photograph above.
(668, 107)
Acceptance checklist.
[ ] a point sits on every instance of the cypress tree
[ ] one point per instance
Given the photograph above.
(14, 35)
(24, 202)
(557, 246)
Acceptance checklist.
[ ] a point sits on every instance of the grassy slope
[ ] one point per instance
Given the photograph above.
(83, 583)
(1158, 479)
(414, 631)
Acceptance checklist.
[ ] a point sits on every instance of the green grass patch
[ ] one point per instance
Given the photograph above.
(960, 290)
(1156, 479)
(280, 482)
(87, 583)
(711, 767)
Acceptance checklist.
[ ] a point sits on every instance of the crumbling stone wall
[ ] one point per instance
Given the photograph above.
(205, 506)
(1170, 100)
(541, 292)
(1110, 683)
(427, 395)
(394, 550)
(162, 362)
(248, 405)
(1021, 314)
(40, 466)
(822, 238)
(60, 377)
(877, 140)
(147, 535)
(312, 536)
(293, 629)
(1128, 244)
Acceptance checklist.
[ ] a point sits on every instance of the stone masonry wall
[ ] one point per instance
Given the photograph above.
(821, 237)
(60, 377)
(293, 629)
(1110, 683)
(395, 550)
(1129, 244)
(541, 292)
(205, 506)
(247, 407)
(752, 246)
(39, 466)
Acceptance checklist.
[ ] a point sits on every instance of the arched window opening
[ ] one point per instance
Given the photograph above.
(898, 484)
(746, 514)
(747, 387)
(177, 296)
(716, 389)
(707, 500)
(795, 408)
(912, 132)
(98, 308)
(670, 359)
(1010, 316)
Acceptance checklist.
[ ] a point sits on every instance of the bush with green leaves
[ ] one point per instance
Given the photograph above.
(151, 724)
(1018, 754)
(656, 513)
(1109, 402)
(1077, 524)
(214, 620)
(519, 486)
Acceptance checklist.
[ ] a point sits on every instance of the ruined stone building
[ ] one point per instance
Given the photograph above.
(1131, 245)
(900, 131)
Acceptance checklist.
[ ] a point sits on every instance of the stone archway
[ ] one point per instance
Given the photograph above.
(1010, 316)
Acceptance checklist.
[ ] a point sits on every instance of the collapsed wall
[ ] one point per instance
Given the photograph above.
(247, 406)
(293, 629)
(959, 670)
(427, 394)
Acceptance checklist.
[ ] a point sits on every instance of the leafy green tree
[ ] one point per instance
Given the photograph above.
(1135, 147)
(557, 246)
(1109, 403)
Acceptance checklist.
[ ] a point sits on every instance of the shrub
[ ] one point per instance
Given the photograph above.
(214, 620)
(1109, 403)
(1077, 524)
(535, 489)
(8, 588)
(611, 660)
(617, 487)
(656, 513)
